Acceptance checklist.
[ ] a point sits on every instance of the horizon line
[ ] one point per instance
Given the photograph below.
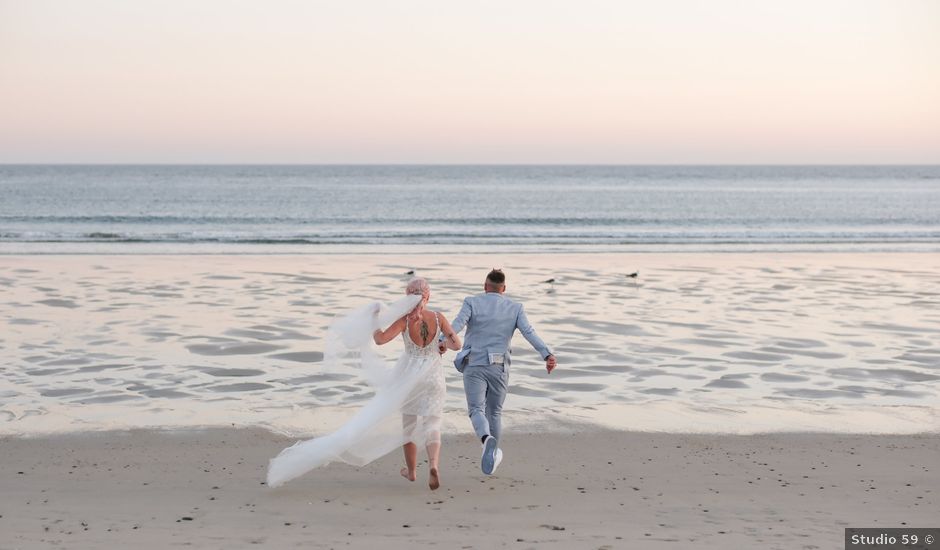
(477, 164)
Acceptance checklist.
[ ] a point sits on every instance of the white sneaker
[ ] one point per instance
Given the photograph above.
(489, 461)
(499, 458)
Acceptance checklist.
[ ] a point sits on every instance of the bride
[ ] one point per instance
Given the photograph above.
(409, 397)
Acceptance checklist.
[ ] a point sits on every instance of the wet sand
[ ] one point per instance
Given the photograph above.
(591, 489)
(733, 342)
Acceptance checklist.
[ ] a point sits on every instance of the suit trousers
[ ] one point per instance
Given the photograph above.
(486, 388)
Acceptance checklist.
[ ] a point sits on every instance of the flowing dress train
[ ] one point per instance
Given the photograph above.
(407, 405)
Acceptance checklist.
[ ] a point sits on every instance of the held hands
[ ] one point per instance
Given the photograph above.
(550, 363)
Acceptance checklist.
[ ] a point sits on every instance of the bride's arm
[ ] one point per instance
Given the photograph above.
(385, 336)
(450, 337)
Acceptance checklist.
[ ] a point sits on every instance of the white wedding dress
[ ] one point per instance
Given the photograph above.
(407, 405)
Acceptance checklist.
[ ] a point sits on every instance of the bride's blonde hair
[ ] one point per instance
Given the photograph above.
(420, 287)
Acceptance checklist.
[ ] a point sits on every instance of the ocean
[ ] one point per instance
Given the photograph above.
(183, 296)
(321, 209)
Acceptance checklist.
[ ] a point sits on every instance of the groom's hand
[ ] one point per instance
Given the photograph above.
(550, 363)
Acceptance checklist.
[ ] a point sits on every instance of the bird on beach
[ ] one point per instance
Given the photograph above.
(410, 272)
(634, 276)
(550, 282)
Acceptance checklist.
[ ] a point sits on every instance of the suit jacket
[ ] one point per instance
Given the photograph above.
(491, 319)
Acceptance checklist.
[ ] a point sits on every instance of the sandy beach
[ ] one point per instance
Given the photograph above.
(594, 489)
(718, 401)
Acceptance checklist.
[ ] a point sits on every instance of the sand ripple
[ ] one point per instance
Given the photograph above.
(159, 334)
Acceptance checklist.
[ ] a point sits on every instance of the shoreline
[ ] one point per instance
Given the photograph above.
(654, 417)
(11, 249)
(565, 430)
(205, 488)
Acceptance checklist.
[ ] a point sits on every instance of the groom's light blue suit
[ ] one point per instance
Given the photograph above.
(490, 319)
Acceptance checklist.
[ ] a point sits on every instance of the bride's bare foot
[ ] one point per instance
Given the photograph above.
(410, 476)
(433, 480)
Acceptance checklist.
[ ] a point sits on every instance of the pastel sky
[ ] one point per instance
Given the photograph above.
(440, 81)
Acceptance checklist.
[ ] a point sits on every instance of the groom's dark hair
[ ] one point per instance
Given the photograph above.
(496, 276)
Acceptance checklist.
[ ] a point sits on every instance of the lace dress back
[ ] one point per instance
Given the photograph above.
(427, 399)
(413, 348)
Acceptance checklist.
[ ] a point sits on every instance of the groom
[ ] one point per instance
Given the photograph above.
(491, 319)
